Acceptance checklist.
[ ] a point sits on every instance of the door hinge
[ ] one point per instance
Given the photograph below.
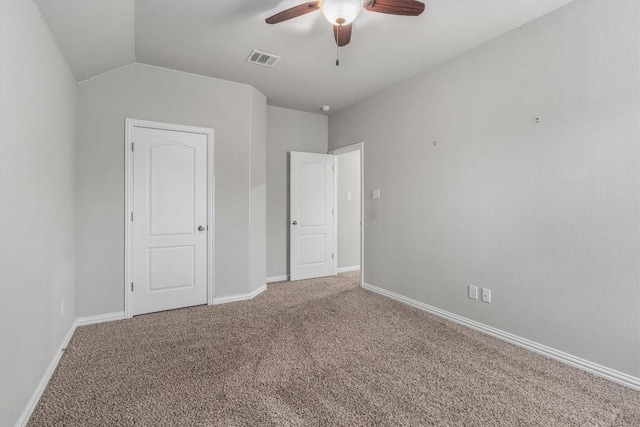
(132, 146)
(131, 216)
(331, 256)
(131, 286)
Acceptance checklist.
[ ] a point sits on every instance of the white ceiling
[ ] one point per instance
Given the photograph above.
(214, 37)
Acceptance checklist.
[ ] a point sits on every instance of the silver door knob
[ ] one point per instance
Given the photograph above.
(295, 222)
(201, 228)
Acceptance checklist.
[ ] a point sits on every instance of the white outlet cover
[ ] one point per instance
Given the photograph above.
(486, 295)
(348, 196)
(473, 292)
(375, 194)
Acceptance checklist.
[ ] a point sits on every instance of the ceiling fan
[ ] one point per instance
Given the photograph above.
(342, 13)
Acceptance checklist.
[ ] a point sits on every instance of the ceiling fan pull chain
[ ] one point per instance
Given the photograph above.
(338, 46)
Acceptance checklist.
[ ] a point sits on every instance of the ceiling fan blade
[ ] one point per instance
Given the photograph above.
(397, 7)
(342, 34)
(294, 12)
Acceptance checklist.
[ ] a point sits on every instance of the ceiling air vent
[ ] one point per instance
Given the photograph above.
(264, 59)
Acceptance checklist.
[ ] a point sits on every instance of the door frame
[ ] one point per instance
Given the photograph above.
(130, 124)
(342, 150)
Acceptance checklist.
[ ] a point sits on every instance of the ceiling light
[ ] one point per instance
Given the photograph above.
(341, 12)
(326, 108)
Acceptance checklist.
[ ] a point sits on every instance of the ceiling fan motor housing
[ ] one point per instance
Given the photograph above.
(341, 12)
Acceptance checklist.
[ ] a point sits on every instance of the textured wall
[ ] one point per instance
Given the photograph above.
(545, 214)
(37, 211)
(287, 130)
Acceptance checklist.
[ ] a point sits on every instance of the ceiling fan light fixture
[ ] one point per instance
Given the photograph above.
(341, 12)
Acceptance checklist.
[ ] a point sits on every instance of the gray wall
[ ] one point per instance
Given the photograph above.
(348, 210)
(287, 130)
(37, 149)
(258, 241)
(150, 93)
(545, 214)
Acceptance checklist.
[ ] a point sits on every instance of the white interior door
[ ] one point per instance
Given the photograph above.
(312, 215)
(169, 228)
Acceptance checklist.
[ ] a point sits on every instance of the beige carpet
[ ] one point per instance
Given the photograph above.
(317, 352)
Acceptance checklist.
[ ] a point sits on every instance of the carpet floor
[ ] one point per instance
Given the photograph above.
(311, 353)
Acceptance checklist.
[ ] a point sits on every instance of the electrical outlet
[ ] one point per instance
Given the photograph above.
(486, 295)
(473, 292)
(375, 194)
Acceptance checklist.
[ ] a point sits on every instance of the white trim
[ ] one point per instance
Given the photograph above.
(241, 297)
(44, 381)
(128, 204)
(91, 320)
(348, 149)
(100, 318)
(46, 377)
(211, 218)
(277, 279)
(130, 124)
(347, 269)
(577, 362)
(335, 216)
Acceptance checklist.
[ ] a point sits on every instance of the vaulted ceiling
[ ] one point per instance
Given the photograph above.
(214, 38)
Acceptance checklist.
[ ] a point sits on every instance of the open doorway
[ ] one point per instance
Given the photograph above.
(349, 208)
(326, 225)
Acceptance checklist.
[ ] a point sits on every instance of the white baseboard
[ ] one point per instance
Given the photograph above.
(347, 269)
(44, 381)
(277, 279)
(100, 318)
(585, 365)
(241, 297)
(90, 320)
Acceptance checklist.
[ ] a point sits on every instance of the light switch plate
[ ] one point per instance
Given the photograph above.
(348, 196)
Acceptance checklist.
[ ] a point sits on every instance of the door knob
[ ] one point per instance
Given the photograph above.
(295, 222)
(201, 228)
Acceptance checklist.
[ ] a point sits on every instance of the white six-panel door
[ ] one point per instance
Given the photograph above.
(169, 220)
(312, 220)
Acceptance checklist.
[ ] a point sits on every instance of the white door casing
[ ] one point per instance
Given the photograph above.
(171, 224)
(311, 216)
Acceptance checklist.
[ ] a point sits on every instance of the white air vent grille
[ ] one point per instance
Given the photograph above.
(264, 59)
